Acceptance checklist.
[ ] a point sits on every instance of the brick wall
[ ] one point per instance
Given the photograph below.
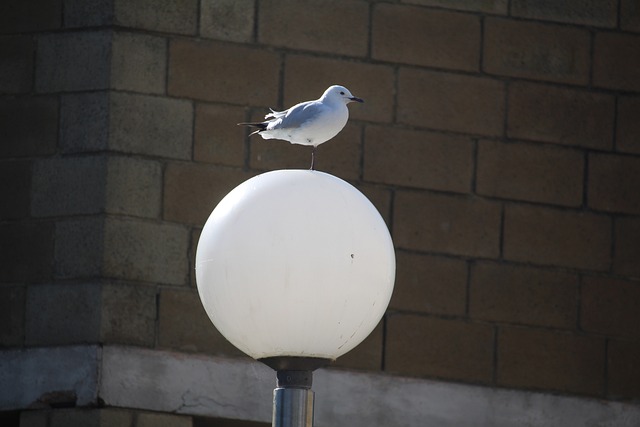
(499, 140)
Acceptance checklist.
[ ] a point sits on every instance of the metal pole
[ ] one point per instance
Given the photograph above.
(293, 399)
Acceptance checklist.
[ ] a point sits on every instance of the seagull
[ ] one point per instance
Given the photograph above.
(308, 123)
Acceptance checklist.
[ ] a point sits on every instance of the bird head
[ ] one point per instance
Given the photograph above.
(340, 93)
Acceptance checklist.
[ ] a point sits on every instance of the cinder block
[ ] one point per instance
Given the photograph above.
(616, 61)
(623, 370)
(341, 156)
(84, 122)
(628, 125)
(447, 349)
(88, 13)
(15, 189)
(20, 136)
(418, 159)
(213, 71)
(374, 83)
(73, 61)
(134, 187)
(217, 138)
(68, 186)
(610, 306)
(548, 360)
(231, 20)
(166, 16)
(627, 247)
(367, 355)
(138, 63)
(12, 311)
(156, 419)
(38, 418)
(629, 15)
(453, 102)
(79, 247)
(151, 125)
(335, 27)
(531, 172)
(184, 325)
(91, 417)
(584, 12)
(447, 224)
(426, 37)
(430, 284)
(61, 313)
(128, 314)
(19, 16)
(146, 251)
(26, 252)
(489, 6)
(561, 115)
(536, 51)
(613, 183)
(192, 191)
(16, 68)
(523, 295)
(557, 237)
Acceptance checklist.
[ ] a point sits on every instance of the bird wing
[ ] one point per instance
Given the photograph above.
(297, 115)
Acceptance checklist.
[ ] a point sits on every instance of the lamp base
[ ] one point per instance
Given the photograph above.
(294, 363)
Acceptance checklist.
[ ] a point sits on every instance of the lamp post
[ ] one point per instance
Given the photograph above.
(295, 268)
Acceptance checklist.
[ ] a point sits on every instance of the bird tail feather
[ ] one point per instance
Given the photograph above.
(260, 125)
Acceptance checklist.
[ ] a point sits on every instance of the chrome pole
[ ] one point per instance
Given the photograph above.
(293, 399)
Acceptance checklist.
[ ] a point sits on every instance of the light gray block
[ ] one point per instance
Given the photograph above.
(151, 125)
(146, 251)
(84, 122)
(227, 19)
(167, 16)
(79, 245)
(138, 63)
(73, 61)
(134, 187)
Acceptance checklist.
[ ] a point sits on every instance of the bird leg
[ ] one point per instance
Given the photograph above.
(313, 159)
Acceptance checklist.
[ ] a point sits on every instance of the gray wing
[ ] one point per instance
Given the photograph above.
(299, 114)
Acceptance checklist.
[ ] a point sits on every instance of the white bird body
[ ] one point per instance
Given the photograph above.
(309, 123)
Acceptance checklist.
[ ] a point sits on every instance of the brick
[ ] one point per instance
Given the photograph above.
(20, 136)
(63, 313)
(531, 172)
(448, 349)
(79, 247)
(17, 16)
(429, 284)
(367, 355)
(12, 308)
(212, 71)
(557, 237)
(584, 12)
(623, 370)
(542, 359)
(91, 417)
(128, 314)
(217, 137)
(374, 83)
(341, 156)
(418, 159)
(15, 185)
(68, 186)
(627, 247)
(26, 253)
(16, 68)
(536, 51)
(34, 418)
(430, 38)
(561, 115)
(628, 127)
(489, 6)
(167, 16)
(73, 61)
(191, 191)
(610, 306)
(88, 13)
(84, 122)
(451, 102)
(146, 251)
(231, 20)
(447, 224)
(616, 61)
(138, 63)
(134, 187)
(613, 183)
(184, 325)
(523, 295)
(151, 125)
(630, 15)
(156, 419)
(335, 27)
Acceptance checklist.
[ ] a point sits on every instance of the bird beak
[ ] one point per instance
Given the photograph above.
(356, 99)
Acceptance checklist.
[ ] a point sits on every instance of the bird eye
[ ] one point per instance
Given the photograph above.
(341, 93)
